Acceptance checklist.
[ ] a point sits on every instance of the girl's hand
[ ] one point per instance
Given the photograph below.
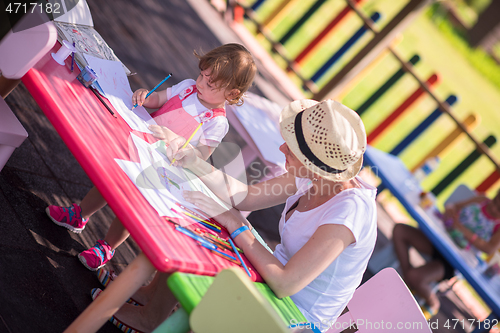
(139, 96)
(183, 157)
(450, 211)
(210, 207)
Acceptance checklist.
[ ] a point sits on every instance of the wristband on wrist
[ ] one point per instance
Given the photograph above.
(239, 231)
(473, 238)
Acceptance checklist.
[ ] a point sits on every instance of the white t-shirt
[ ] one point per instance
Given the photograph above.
(213, 131)
(323, 300)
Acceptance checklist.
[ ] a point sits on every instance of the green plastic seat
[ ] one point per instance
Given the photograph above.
(228, 302)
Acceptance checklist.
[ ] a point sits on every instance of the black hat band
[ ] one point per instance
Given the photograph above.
(304, 148)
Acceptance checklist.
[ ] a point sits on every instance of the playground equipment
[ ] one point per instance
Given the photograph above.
(326, 77)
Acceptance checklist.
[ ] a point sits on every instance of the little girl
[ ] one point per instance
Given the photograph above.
(226, 73)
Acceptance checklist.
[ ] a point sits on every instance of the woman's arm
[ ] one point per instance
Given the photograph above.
(324, 246)
(239, 195)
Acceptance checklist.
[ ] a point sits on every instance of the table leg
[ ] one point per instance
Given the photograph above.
(178, 322)
(113, 297)
(7, 85)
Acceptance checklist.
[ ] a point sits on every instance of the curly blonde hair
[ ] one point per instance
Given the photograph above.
(232, 67)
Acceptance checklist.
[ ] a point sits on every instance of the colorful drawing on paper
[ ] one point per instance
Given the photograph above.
(161, 184)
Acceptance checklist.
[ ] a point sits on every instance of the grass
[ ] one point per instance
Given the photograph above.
(440, 53)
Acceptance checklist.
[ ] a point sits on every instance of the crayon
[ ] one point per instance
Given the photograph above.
(102, 101)
(152, 90)
(187, 141)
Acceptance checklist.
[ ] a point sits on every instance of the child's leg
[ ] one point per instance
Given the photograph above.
(421, 278)
(418, 278)
(146, 318)
(116, 234)
(102, 252)
(91, 203)
(405, 236)
(75, 217)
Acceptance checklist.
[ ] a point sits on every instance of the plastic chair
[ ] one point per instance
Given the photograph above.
(12, 133)
(230, 302)
(461, 193)
(383, 304)
(21, 49)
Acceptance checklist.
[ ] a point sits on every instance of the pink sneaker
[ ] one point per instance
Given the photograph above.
(68, 217)
(97, 256)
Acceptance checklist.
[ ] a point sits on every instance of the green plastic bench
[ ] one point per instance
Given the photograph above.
(229, 302)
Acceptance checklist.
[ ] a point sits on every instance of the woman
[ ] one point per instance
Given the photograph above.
(328, 228)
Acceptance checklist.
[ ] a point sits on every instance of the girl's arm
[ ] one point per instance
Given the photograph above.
(154, 101)
(453, 209)
(489, 247)
(239, 195)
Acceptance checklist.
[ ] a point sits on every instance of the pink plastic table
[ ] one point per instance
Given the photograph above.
(96, 138)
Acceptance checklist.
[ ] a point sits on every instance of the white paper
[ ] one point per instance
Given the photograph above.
(79, 14)
(160, 183)
(114, 83)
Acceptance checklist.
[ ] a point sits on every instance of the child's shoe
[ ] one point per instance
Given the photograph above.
(97, 256)
(68, 217)
(428, 312)
(105, 276)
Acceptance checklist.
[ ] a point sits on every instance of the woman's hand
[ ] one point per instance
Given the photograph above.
(139, 96)
(162, 133)
(185, 157)
(210, 207)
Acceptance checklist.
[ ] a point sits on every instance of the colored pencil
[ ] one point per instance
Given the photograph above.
(223, 256)
(218, 239)
(198, 221)
(239, 257)
(102, 101)
(152, 90)
(202, 241)
(187, 141)
(218, 242)
(73, 58)
(202, 220)
(200, 214)
(213, 248)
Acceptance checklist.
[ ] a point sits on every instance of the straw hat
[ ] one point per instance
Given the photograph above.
(327, 137)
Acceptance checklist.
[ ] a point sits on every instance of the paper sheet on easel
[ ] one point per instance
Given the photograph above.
(114, 83)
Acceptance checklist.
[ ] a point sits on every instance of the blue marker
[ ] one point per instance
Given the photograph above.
(239, 257)
(203, 242)
(159, 84)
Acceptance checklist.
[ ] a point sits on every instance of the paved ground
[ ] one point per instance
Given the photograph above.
(43, 286)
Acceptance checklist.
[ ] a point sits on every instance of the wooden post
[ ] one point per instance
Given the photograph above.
(450, 141)
(381, 40)
(421, 127)
(462, 166)
(382, 127)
